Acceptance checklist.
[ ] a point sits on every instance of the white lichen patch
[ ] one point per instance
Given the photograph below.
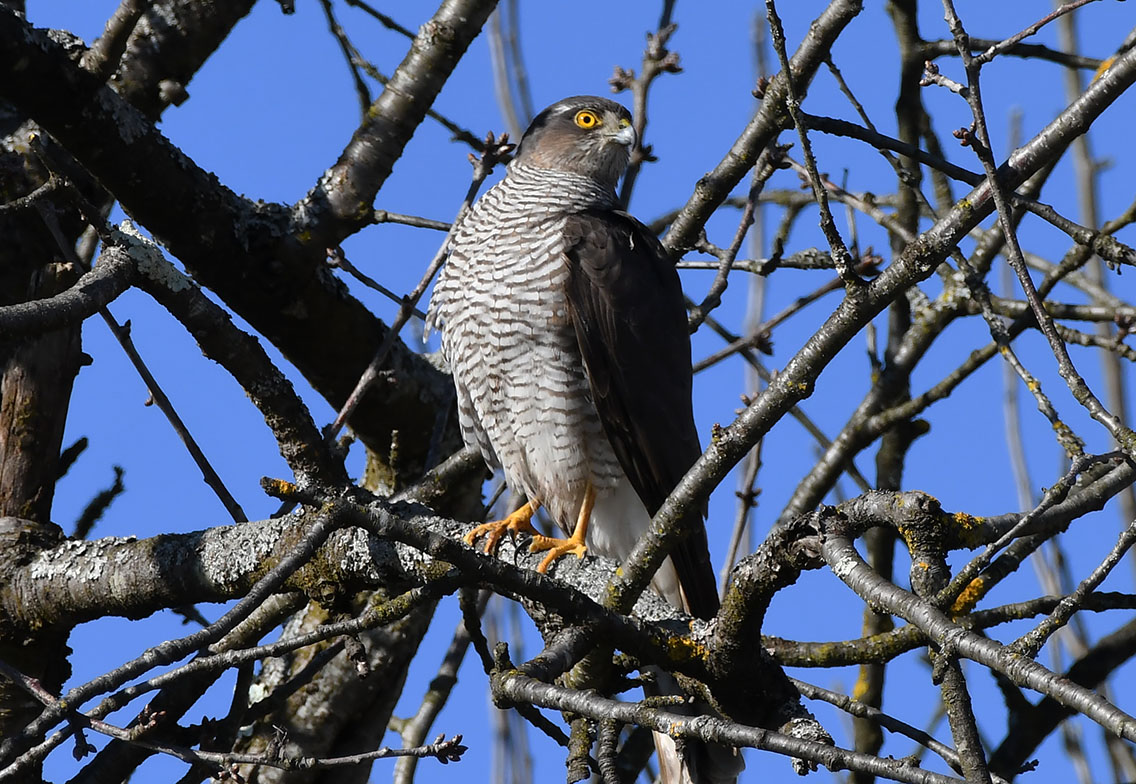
(80, 559)
(149, 259)
(132, 125)
(231, 554)
(843, 568)
(355, 544)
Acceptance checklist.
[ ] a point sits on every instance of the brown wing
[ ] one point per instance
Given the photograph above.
(625, 302)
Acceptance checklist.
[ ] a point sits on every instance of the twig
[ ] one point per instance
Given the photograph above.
(864, 711)
(933, 49)
(808, 259)
(883, 647)
(847, 564)
(657, 60)
(796, 412)
(1002, 46)
(414, 729)
(337, 258)
(97, 287)
(769, 120)
(931, 75)
(981, 145)
(350, 54)
(501, 55)
(767, 163)
(459, 133)
(285, 413)
(97, 506)
(385, 216)
(517, 60)
(514, 686)
(383, 19)
(443, 750)
(840, 255)
(1086, 170)
(171, 650)
(1029, 644)
(747, 500)
(760, 338)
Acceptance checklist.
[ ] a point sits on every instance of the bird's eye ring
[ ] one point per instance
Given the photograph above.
(586, 119)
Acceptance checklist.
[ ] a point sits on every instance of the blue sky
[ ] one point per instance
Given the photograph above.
(273, 108)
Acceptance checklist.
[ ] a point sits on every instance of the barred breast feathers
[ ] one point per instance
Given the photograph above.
(510, 223)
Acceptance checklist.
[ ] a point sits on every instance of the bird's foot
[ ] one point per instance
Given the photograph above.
(520, 520)
(557, 548)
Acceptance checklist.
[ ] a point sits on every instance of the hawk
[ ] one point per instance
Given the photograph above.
(563, 322)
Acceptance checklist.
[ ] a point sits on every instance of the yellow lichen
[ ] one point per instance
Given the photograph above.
(968, 599)
(860, 688)
(905, 532)
(965, 521)
(279, 488)
(682, 649)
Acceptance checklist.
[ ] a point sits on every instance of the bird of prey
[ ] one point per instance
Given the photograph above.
(563, 322)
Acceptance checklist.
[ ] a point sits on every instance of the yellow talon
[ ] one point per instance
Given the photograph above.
(520, 520)
(573, 544)
(556, 548)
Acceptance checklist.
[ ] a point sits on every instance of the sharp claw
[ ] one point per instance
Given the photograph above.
(557, 548)
(493, 538)
(493, 531)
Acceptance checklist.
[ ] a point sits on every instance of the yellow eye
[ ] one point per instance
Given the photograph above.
(624, 122)
(586, 119)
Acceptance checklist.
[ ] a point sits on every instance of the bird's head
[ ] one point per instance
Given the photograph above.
(584, 134)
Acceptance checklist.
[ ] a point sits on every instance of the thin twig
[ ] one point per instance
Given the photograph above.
(980, 142)
(862, 710)
(1003, 46)
(383, 19)
(840, 255)
(657, 60)
(414, 729)
(767, 163)
(350, 54)
(337, 258)
(1029, 644)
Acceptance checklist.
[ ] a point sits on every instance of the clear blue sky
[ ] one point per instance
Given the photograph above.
(273, 108)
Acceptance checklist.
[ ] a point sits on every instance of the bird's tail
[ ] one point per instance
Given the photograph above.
(618, 519)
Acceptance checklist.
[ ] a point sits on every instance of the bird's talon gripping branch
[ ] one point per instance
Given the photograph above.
(520, 520)
(556, 548)
(576, 543)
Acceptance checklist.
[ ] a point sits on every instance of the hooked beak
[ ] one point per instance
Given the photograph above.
(625, 136)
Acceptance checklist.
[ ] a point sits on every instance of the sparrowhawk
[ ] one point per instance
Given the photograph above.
(563, 322)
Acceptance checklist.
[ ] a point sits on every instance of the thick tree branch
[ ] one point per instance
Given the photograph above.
(341, 202)
(109, 278)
